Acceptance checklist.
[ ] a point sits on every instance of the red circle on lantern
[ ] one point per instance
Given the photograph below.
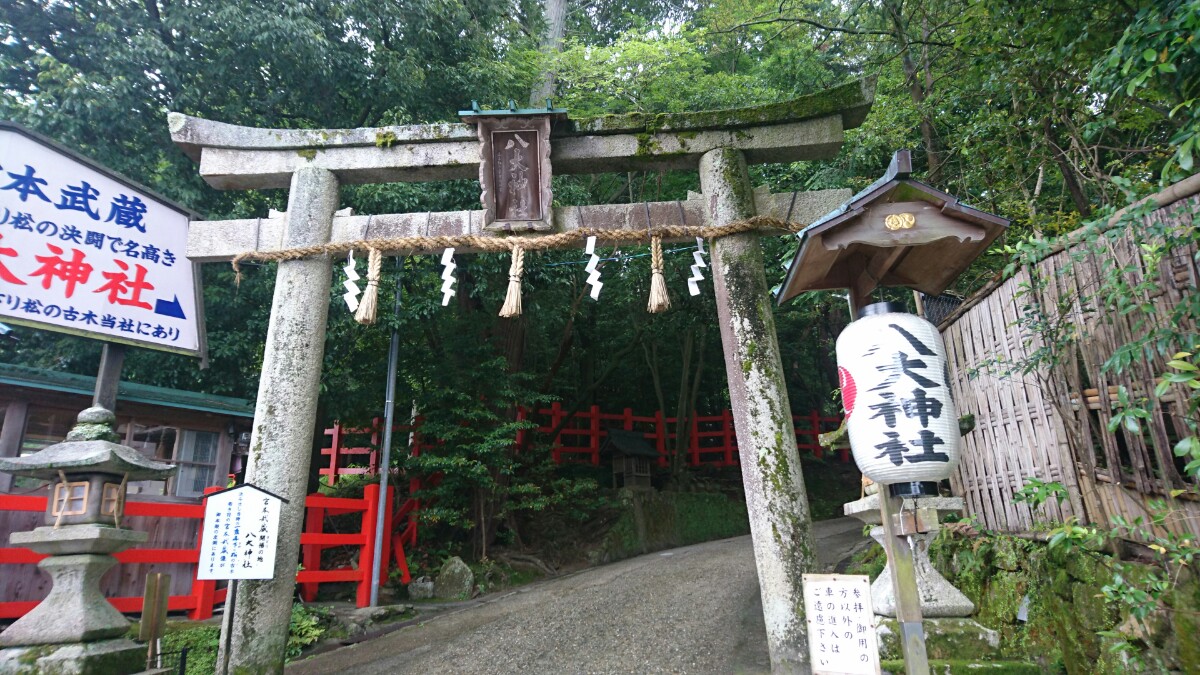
(849, 390)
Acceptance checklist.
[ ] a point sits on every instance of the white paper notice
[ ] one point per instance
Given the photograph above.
(841, 624)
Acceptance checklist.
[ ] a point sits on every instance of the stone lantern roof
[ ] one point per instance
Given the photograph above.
(89, 448)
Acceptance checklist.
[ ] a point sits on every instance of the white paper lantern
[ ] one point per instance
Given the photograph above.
(900, 414)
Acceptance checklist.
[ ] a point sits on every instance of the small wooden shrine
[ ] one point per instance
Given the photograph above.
(632, 458)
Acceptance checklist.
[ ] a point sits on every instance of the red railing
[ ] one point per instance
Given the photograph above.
(407, 515)
(314, 540)
(204, 593)
(711, 439)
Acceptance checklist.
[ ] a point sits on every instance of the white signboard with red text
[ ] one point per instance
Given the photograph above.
(86, 252)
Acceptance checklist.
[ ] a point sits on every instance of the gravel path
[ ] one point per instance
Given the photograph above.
(688, 610)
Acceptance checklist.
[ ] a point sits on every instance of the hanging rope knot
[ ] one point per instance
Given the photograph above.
(660, 300)
(370, 300)
(512, 299)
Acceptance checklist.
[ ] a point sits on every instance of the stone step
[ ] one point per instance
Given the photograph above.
(967, 668)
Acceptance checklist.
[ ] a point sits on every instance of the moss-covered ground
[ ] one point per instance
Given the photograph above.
(1068, 625)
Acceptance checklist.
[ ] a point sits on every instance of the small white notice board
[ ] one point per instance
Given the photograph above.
(241, 526)
(841, 624)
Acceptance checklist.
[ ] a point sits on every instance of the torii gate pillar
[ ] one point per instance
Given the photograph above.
(284, 418)
(776, 502)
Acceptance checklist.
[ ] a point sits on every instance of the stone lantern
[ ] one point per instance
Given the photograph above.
(75, 629)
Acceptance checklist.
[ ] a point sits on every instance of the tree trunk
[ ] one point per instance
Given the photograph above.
(682, 414)
(556, 25)
(918, 90)
(1070, 176)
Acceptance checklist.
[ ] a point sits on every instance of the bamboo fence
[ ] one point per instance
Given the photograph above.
(1051, 422)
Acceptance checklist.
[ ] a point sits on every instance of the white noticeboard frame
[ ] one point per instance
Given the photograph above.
(241, 529)
(841, 624)
(86, 251)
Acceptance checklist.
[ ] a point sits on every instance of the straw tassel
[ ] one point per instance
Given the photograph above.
(660, 301)
(512, 301)
(370, 299)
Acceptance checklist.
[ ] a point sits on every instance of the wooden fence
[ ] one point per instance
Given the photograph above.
(1051, 423)
(204, 595)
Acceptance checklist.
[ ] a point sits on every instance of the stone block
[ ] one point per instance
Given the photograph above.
(867, 508)
(896, 667)
(107, 657)
(962, 639)
(74, 539)
(420, 589)
(455, 581)
(939, 598)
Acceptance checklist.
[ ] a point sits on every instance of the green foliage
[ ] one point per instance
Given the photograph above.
(1155, 64)
(307, 624)
(1036, 492)
(201, 641)
(1140, 590)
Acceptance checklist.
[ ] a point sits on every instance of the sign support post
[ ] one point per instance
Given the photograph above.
(904, 581)
(108, 378)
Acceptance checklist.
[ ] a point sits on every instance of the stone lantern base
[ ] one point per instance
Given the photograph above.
(106, 657)
(74, 630)
(939, 598)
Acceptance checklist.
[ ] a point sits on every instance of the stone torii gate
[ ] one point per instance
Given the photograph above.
(313, 163)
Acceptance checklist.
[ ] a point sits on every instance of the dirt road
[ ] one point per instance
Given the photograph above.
(688, 610)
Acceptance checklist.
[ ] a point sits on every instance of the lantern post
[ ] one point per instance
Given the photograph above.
(900, 416)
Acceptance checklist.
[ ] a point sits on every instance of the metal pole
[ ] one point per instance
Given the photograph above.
(226, 623)
(385, 464)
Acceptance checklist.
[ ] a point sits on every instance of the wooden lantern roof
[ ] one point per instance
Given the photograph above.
(896, 232)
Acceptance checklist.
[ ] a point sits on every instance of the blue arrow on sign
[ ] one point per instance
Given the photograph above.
(169, 308)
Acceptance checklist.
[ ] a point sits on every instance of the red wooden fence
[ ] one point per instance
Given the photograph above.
(711, 439)
(205, 594)
(405, 538)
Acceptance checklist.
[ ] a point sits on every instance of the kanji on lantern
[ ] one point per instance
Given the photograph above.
(898, 363)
